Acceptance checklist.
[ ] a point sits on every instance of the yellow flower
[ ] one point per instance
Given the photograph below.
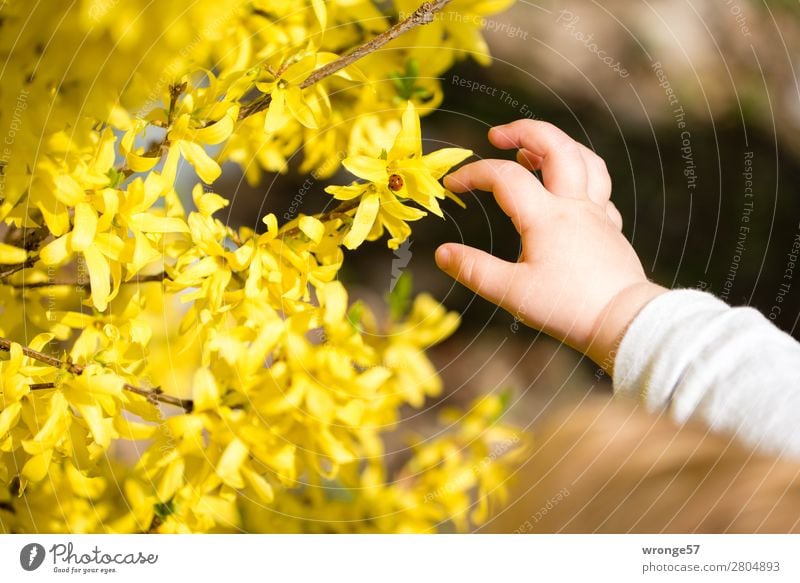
(309, 106)
(190, 142)
(100, 250)
(394, 177)
(455, 31)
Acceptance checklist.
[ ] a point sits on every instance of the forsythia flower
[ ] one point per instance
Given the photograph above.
(164, 371)
(400, 174)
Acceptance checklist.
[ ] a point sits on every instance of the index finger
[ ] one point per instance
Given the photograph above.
(563, 167)
(515, 189)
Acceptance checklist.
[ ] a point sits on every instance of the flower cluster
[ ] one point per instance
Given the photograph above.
(167, 372)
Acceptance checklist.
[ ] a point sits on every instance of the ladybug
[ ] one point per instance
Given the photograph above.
(395, 182)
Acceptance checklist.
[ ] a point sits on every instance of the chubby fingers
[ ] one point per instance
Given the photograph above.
(598, 181)
(559, 157)
(517, 191)
(483, 273)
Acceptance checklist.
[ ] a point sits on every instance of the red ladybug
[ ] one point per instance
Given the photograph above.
(395, 182)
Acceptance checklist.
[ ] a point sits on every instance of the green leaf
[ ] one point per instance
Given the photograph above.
(115, 177)
(355, 313)
(164, 509)
(505, 402)
(399, 298)
(405, 82)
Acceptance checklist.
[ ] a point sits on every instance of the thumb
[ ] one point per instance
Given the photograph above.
(481, 272)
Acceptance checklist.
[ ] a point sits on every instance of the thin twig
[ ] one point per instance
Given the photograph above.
(340, 209)
(422, 15)
(71, 367)
(154, 396)
(42, 386)
(12, 269)
(156, 277)
(27, 237)
(175, 91)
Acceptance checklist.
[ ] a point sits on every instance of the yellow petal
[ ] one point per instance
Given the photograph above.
(40, 341)
(101, 427)
(85, 226)
(170, 170)
(35, 469)
(10, 255)
(9, 417)
(271, 222)
(390, 204)
(205, 166)
(143, 254)
(75, 320)
(132, 430)
(320, 12)
(218, 131)
(207, 203)
(312, 228)
(68, 191)
(296, 103)
(99, 277)
(298, 71)
(56, 218)
(150, 223)
(134, 161)
(409, 141)
(232, 459)
(171, 480)
(109, 245)
(205, 393)
(275, 117)
(335, 300)
(347, 192)
(320, 405)
(440, 161)
(259, 485)
(56, 251)
(362, 223)
(368, 168)
(352, 413)
(335, 448)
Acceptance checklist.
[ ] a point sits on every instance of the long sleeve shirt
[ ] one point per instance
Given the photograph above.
(694, 356)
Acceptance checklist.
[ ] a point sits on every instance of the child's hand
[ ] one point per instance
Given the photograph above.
(578, 279)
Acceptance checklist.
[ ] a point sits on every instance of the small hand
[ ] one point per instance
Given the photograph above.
(578, 279)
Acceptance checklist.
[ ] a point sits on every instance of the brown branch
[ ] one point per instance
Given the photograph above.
(340, 209)
(41, 386)
(28, 238)
(175, 91)
(156, 277)
(12, 269)
(422, 15)
(76, 369)
(154, 396)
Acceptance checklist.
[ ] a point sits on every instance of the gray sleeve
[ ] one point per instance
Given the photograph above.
(691, 354)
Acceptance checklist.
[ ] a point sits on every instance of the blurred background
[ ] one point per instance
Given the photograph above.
(694, 105)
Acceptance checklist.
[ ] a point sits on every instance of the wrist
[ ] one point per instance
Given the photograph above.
(613, 321)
